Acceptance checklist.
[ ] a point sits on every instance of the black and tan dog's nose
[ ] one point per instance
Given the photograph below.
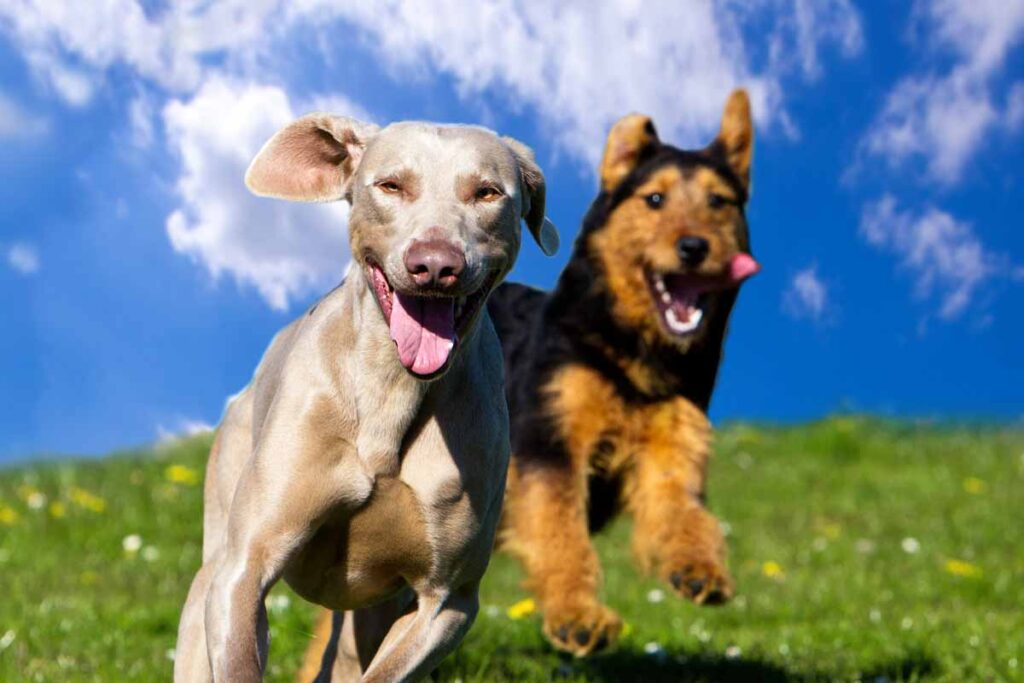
(436, 263)
(692, 250)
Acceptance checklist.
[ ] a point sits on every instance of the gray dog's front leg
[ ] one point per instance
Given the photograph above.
(417, 642)
(236, 622)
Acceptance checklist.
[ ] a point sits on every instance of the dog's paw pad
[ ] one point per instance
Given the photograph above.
(706, 583)
(586, 632)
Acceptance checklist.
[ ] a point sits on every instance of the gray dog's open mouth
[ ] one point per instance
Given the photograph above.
(425, 329)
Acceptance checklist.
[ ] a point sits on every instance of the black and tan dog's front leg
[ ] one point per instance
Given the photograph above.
(674, 535)
(546, 527)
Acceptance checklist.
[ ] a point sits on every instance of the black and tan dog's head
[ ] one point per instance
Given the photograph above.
(669, 232)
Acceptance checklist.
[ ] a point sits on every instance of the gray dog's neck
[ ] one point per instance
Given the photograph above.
(391, 399)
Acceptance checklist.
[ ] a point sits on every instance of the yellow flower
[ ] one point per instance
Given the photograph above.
(522, 609)
(963, 569)
(831, 530)
(179, 474)
(627, 628)
(57, 509)
(8, 515)
(974, 485)
(772, 569)
(87, 500)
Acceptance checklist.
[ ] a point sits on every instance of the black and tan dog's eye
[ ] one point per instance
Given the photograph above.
(389, 186)
(655, 200)
(487, 193)
(717, 201)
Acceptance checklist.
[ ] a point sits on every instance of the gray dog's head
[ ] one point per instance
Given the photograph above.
(435, 216)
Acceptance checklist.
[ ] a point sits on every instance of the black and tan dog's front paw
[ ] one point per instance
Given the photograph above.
(702, 581)
(582, 631)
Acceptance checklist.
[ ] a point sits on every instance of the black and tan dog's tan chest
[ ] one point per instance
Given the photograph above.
(609, 376)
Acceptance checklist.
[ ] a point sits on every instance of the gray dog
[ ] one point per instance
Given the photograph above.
(365, 463)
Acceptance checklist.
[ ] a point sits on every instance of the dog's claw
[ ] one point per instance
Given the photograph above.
(703, 582)
(582, 631)
(582, 636)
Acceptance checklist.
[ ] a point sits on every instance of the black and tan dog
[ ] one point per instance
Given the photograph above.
(610, 376)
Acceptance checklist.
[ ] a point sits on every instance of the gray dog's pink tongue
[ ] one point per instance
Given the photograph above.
(424, 330)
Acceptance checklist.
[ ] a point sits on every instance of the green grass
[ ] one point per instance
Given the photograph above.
(818, 517)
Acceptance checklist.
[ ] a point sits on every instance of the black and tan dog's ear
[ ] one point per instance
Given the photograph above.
(534, 197)
(629, 141)
(310, 160)
(735, 138)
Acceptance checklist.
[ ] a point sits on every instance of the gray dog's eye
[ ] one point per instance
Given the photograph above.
(487, 193)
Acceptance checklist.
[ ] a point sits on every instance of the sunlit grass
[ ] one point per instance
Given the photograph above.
(862, 550)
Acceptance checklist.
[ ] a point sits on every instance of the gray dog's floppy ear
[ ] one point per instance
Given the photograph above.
(534, 190)
(310, 160)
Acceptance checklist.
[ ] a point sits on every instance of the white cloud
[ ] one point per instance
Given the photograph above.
(578, 67)
(23, 258)
(574, 65)
(182, 429)
(16, 123)
(807, 296)
(140, 118)
(943, 254)
(281, 248)
(943, 118)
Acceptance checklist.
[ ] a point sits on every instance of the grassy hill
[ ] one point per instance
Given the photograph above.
(862, 550)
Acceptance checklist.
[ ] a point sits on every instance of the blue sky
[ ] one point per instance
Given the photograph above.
(140, 283)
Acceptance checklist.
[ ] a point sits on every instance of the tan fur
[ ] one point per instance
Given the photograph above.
(637, 238)
(367, 489)
(628, 139)
(660, 452)
(656, 448)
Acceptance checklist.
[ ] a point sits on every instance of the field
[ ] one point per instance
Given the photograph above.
(863, 550)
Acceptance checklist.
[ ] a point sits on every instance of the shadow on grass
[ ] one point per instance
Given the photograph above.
(626, 665)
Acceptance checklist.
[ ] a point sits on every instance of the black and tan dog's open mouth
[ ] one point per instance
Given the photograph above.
(426, 328)
(681, 298)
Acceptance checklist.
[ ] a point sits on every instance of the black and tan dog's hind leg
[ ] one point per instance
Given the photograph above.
(674, 535)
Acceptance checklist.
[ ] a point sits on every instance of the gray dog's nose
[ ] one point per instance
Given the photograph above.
(434, 262)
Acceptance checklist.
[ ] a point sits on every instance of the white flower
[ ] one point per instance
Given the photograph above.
(875, 615)
(492, 610)
(653, 648)
(733, 652)
(131, 543)
(907, 623)
(170, 654)
(784, 649)
(656, 595)
(6, 640)
(150, 553)
(864, 546)
(278, 603)
(910, 545)
(36, 500)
